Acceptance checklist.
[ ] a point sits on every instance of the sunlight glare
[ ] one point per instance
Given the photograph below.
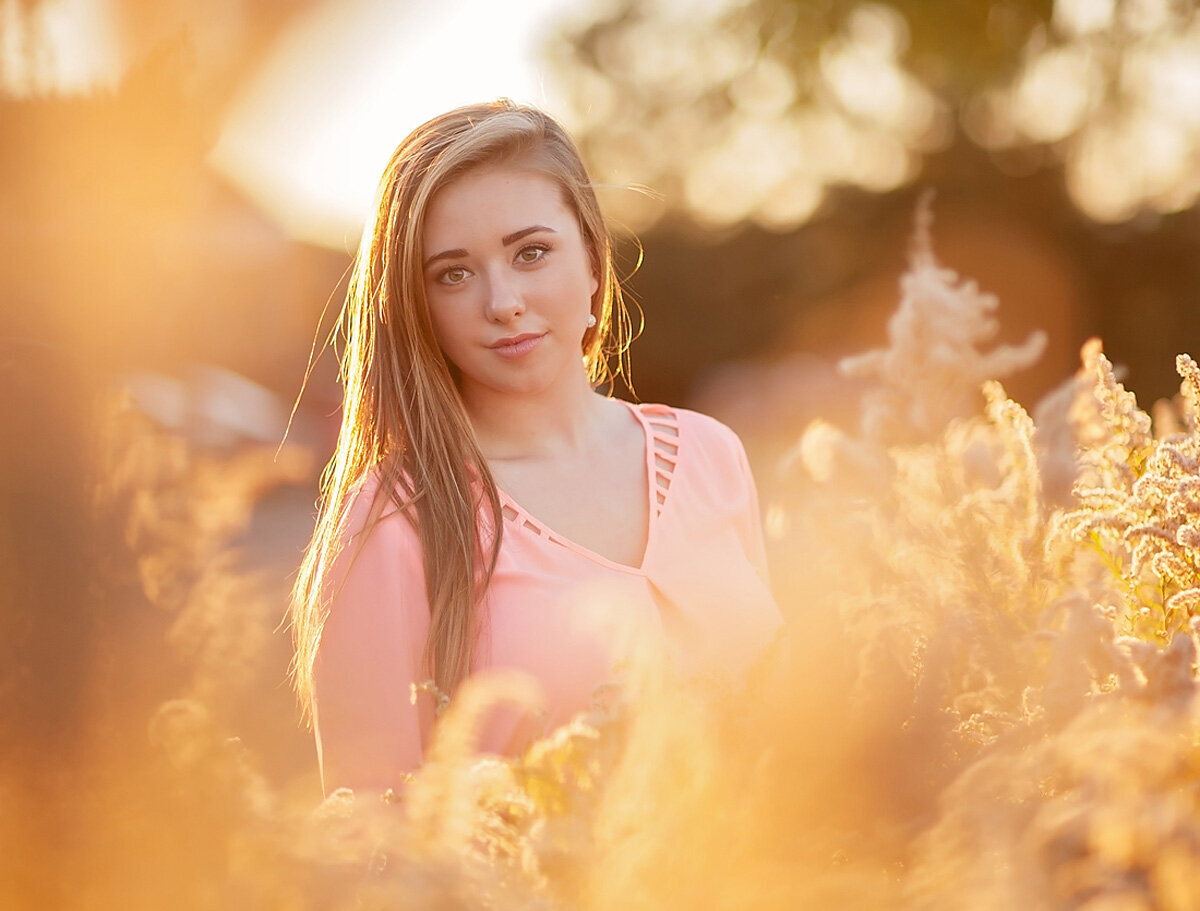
(58, 47)
(310, 136)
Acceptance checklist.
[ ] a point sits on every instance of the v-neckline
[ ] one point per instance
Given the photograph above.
(654, 493)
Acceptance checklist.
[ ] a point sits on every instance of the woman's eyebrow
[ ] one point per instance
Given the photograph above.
(445, 254)
(517, 235)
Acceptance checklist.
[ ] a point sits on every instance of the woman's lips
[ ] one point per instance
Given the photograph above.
(518, 345)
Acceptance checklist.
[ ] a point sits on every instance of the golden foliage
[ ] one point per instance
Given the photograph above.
(984, 696)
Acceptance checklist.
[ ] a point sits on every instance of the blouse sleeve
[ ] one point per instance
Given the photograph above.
(750, 528)
(368, 732)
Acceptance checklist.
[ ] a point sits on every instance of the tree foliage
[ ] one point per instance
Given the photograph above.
(754, 110)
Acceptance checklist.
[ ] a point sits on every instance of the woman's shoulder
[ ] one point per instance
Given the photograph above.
(693, 427)
(377, 545)
(375, 502)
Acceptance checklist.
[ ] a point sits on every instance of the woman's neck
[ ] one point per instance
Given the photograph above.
(561, 419)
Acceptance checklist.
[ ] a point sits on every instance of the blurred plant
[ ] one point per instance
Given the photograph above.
(964, 710)
(1139, 505)
(180, 509)
(1096, 811)
(931, 370)
(950, 651)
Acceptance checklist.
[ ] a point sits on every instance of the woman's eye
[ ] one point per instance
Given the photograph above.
(532, 253)
(455, 275)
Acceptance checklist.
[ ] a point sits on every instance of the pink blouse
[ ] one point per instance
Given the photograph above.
(556, 610)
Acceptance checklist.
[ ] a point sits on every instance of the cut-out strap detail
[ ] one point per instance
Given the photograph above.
(661, 427)
(664, 438)
(517, 516)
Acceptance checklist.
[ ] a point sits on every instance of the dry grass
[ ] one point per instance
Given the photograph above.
(984, 696)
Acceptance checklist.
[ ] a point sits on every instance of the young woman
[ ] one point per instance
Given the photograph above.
(486, 506)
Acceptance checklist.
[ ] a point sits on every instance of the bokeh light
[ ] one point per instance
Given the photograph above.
(1117, 87)
(1110, 88)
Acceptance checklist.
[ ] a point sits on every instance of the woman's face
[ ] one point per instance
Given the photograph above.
(509, 281)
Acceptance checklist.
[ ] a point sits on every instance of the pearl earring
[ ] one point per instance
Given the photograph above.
(591, 321)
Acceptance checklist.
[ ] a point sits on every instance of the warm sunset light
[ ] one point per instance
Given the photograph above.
(870, 582)
(308, 138)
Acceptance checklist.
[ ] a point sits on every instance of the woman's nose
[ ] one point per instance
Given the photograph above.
(504, 302)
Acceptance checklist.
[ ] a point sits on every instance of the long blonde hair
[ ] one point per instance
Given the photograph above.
(402, 417)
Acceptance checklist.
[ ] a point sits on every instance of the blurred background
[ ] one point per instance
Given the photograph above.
(183, 182)
(182, 185)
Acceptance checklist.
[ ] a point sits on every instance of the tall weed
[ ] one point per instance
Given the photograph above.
(983, 697)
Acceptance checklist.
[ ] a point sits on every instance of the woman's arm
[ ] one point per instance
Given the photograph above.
(368, 732)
